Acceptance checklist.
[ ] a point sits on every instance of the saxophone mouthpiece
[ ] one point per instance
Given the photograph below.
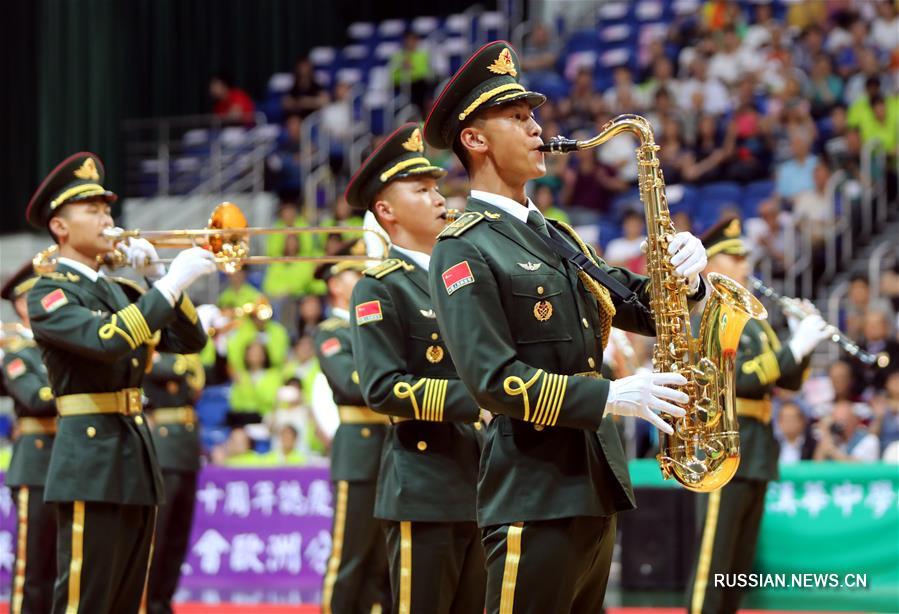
(559, 145)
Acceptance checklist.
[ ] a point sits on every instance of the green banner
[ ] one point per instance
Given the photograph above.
(829, 539)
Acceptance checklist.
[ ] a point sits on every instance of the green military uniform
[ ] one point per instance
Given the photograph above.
(25, 379)
(103, 473)
(171, 385)
(357, 576)
(729, 519)
(526, 333)
(429, 466)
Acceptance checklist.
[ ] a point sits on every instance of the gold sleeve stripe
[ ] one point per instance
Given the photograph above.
(542, 399)
(557, 406)
(444, 384)
(188, 309)
(111, 328)
(550, 395)
(434, 399)
(770, 365)
(137, 324)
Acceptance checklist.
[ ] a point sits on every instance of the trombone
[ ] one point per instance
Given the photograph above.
(226, 236)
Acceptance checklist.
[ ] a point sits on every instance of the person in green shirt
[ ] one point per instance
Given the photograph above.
(411, 67)
(260, 326)
(289, 217)
(254, 391)
(238, 293)
(285, 454)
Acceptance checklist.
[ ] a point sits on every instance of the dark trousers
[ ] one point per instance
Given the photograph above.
(35, 547)
(728, 525)
(357, 579)
(559, 566)
(436, 567)
(103, 551)
(173, 524)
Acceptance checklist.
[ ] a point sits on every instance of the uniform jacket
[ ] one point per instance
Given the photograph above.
(174, 381)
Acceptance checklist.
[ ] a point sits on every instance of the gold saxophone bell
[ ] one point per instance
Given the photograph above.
(226, 236)
(704, 452)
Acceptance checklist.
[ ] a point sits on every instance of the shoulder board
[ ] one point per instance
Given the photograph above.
(17, 344)
(333, 324)
(388, 266)
(132, 289)
(57, 276)
(461, 224)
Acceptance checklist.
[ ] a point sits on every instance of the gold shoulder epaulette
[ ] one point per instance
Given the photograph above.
(333, 324)
(133, 289)
(461, 224)
(388, 266)
(17, 344)
(55, 276)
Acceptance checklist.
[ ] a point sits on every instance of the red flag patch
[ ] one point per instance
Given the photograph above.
(368, 312)
(54, 300)
(15, 368)
(330, 346)
(457, 276)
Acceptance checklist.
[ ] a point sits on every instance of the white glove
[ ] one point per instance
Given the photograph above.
(688, 258)
(141, 256)
(805, 305)
(644, 394)
(811, 331)
(186, 268)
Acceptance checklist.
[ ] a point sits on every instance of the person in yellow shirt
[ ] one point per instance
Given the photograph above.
(255, 390)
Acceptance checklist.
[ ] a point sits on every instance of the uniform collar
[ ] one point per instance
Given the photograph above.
(420, 258)
(82, 268)
(508, 205)
(343, 314)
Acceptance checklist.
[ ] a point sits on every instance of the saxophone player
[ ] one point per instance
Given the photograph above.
(730, 517)
(527, 333)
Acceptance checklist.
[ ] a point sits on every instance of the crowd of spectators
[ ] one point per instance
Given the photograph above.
(733, 94)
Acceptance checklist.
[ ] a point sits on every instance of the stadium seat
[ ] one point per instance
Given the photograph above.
(391, 29)
(753, 194)
(361, 31)
(423, 26)
(213, 405)
(712, 200)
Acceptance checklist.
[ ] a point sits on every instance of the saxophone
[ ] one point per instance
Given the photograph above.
(704, 452)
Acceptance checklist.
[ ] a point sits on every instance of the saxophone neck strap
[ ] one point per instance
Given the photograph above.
(620, 293)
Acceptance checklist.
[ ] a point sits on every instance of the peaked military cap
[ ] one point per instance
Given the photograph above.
(354, 247)
(77, 178)
(400, 155)
(488, 79)
(20, 282)
(725, 237)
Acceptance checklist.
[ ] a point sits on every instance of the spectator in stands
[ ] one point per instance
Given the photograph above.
(310, 312)
(663, 111)
(878, 337)
(285, 452)
(307, 95)
(859, 297)
(582, 103)
(885, 29)
(842, 437)
(539, 57)
(283, 165)
(254, 389)
(236, 451)
(625, 251)
(793, 434)
(231, 103)
(289, 216)
(767, 235)
(732, 61)
(713, 93)
(813, 210)
(747, 144)
(588, 188)
(624, 96)
(796, 174)
(238, 292)
(544, 199)
(677, 157)
(285, 282)
(337, 123)
(708, 154)
(842, 383)
(410, 68)
(886, 411)
(341, 215)
(758, 33)
(868, 68)
(303, 365)
(877, 122)
(824, 88)
(618, 154)
(258, 326)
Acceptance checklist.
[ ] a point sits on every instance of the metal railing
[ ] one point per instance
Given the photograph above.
(195, 154)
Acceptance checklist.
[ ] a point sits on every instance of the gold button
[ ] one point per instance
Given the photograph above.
(91, 431)
(422, 445)
(190, 427)
(134, 362)
(365, 432)
(39, 444)
(163, 431)
(538, 427)
(138, 420)
(539, 289)
(477, 426)
(435, 336)
(585, 322)
(591, 362)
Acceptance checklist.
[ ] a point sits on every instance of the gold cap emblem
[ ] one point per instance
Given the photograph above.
(503, 65)
(414, 143)
(733, 229)
(88, 171)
